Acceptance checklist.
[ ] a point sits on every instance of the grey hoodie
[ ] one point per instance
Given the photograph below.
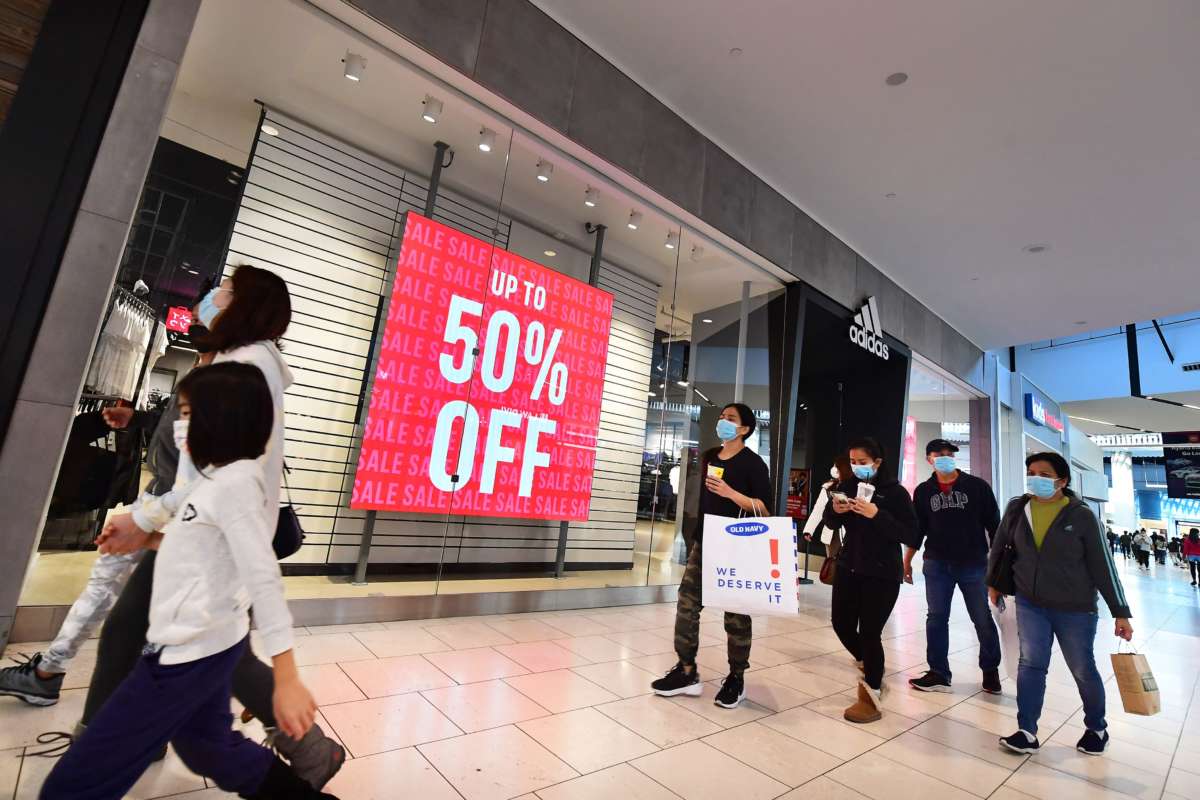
(1073, 564)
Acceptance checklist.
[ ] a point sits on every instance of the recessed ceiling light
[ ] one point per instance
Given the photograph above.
(672, 240)
(1081, 322)
(890, 195)
(433, 109)
(896, 78)
(356, 65)
(681, 383)
(269, 129)
(706, 321)
(1034, 249)
(734, 52)
(487, 139)
(635, 219)
(591, 197)
(551, 253)
(697, 252)
(544, 170)
(652, 394)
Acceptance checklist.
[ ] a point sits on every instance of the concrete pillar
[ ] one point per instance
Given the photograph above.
(50, 391)
(1122, 504)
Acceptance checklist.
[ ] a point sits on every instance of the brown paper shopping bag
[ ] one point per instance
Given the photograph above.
(1139, 691)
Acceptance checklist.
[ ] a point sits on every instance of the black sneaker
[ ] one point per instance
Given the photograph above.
(733, 692)
(22, 681)
(1021, 742)
(678, 681)
(991, 682)
(1092, 743)
(930, 682)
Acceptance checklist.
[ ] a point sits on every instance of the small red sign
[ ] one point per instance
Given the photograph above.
(486, 399)
(179, 319)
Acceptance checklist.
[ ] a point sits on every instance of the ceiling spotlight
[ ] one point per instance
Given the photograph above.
(672, 240)
(487, 139)
(544, 170)
(682, 384)
(706, 321)
(591, 197)
(635, 219)
(1034, 249)
(734, 52)
(356, 65)
(269, 129)
(896, 78)
(697, 252)
(652, 394)
(551, 253)
(890, 195)
(433, 109)
(1081, 322)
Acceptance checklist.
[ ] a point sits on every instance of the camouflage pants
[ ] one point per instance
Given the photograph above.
(107, 579)
(687, 621)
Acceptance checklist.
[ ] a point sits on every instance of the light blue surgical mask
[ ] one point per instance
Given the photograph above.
(864, 472)
(1040, 486)
(207, 309)
(944, 464)
(726, 430)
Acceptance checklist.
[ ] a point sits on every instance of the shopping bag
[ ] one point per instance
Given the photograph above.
(749, 565)
(1005, 616)
(1139, 690)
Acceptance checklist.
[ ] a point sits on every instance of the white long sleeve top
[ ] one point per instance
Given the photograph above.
(215, 562)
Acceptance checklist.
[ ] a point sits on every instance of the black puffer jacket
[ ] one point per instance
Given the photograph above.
(872, 546)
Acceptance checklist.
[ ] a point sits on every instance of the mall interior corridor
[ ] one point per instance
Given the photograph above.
(558, 706)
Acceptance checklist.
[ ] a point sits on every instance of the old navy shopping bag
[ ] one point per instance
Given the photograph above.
(749, 565)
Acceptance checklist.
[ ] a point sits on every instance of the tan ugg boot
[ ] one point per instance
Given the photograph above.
(866, 708)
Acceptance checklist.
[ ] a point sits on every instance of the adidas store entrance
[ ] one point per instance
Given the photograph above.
(852, 381)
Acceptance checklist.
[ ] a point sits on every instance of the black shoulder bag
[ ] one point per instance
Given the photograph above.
(289, 536)
(1000, 577)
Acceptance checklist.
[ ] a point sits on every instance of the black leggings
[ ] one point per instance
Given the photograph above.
(124, 635)
(861, 607)
(1194, 566)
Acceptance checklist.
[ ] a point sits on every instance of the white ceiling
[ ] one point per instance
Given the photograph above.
(1072, 123)
(1135, 412)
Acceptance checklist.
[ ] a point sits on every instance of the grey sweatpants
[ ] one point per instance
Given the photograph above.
(108, 577)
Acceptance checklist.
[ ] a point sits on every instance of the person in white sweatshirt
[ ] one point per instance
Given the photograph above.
(214, 563)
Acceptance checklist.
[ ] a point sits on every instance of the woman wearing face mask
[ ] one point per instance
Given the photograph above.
(877, 517)
(245, 316)
(1059, 562)
(737, 482)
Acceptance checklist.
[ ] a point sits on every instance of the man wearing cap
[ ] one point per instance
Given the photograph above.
(957, 516)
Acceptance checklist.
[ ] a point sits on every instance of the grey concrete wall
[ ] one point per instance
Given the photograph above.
(48, 396)
(518, 51)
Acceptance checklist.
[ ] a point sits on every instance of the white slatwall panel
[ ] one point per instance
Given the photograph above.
(325, 215)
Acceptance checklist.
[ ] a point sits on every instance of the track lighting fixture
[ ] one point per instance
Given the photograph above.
(487, 139)
(356, 65)
(433, 109)
(591, 197)
(544, 170)
(672, 240)
(635, 220)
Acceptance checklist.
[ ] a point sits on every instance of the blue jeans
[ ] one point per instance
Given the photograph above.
(941, 578)
(1038, 627)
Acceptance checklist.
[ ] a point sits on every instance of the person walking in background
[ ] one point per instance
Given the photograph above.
(877, 517)
(1142, 547)
(1191, 554)
(736, 482)
(1160, 548)
(1175, 548)
(1126, 541)
(214, 555)
(957, 516)
(1049, 531)
(246, 315)
(1112, 539)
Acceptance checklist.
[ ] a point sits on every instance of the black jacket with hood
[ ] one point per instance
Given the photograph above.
(1073, 564)
(872, 546)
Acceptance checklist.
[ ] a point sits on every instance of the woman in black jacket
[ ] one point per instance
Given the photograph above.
(877, 517)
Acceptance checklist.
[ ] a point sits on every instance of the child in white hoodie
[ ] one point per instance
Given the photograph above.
(214, 563)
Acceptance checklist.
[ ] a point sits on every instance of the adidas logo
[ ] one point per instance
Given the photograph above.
(867, 332)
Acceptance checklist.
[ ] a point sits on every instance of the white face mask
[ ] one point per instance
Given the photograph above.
(833, 472)
(180, 434)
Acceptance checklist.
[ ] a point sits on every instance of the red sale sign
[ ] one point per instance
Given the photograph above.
(486, 399)
(179, 319)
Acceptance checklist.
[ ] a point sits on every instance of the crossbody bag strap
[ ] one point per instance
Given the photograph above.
(286, 487)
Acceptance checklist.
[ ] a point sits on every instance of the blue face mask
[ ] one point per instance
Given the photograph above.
(726, 430)
(207, 309)
(944, 464)
(1040, 486)
(864, 472)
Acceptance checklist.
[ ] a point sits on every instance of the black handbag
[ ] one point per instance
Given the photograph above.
(289, 535)
(1000, 577)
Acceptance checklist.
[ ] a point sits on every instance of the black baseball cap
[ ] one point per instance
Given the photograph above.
(938, 445)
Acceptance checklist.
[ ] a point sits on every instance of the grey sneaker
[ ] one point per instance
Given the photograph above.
(22, 681)
(315, 757)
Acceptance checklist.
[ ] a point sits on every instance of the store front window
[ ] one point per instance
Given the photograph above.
(942, 407)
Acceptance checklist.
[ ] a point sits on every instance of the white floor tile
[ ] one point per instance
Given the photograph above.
(541, 656)
(1120, 750)
(883, 779)
(20, 723)
(971, 740)
(816, 730)
(823, 789)
(619, 677)
(1107, 772)
(526, 630)
(659, 720)
(471, 666)
(479, 706)
(387, 723)
(955, 767)
(578, 626)
(329, 684)
(561, 690)
(10, 768)
(468, 636)
(407, 641)
(695, 771)
(597, 648)
(587, 740)
(621, 782)
(503, 762)
(797, 677)
(703, 705)
(398, 675)
(1184, 783)
(379, 777)
(787, 760)
(889, 725)
(329, 649)
(773, 696)
(643, 642)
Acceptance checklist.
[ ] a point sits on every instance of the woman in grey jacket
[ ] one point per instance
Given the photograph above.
(1051, 551)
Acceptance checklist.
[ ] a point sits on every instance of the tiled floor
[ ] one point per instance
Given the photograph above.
(556, 706)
